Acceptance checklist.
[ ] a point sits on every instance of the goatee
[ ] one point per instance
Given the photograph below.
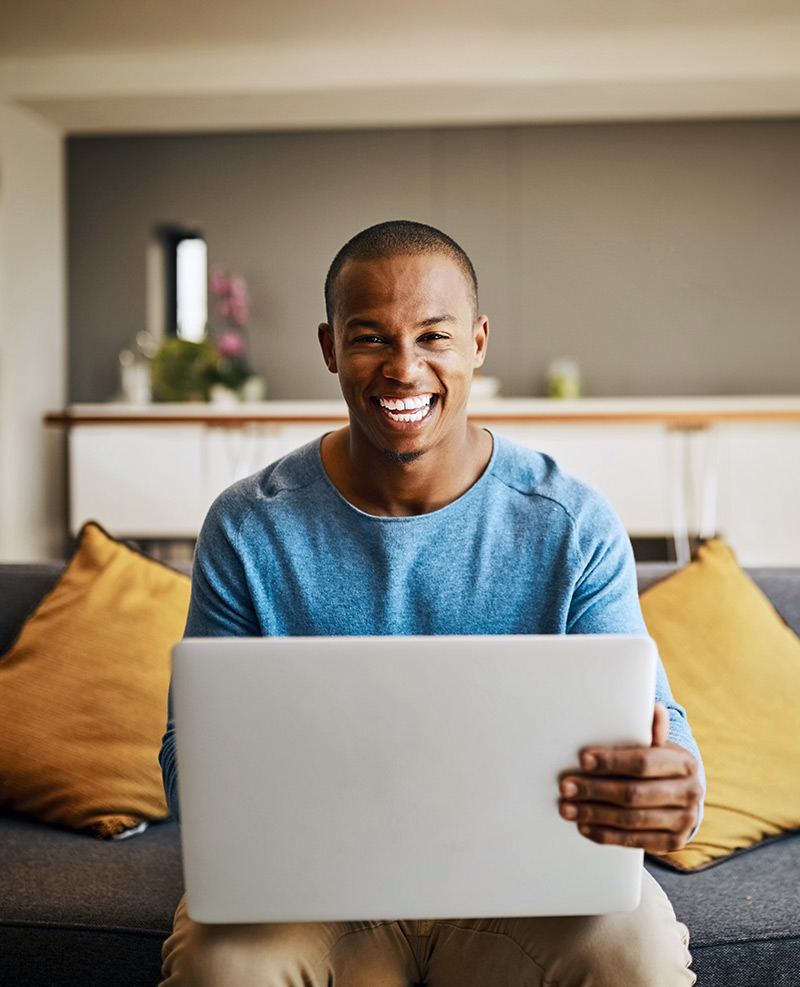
(401, 457)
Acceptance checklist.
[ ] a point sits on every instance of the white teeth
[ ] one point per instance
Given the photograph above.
(407, 409)
(413, 416)
(398, 404)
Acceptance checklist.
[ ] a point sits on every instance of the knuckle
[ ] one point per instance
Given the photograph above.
(634, 795)
(689, 819)
(636, 819)
(603, 761)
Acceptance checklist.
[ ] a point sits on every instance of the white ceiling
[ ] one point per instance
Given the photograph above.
(178, 65)
(29, 27)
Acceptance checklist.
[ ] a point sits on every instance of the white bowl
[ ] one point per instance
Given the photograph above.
(484, 387)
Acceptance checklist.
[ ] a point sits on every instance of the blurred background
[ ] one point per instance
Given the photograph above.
(624, 176)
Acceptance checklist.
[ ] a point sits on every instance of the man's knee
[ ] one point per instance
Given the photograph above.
(287, 955)
(255, 956)
(634, 956)
(644, 948)
(361, 954)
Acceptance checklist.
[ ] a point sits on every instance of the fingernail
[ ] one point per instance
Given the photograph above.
(588, 762)
(568, 789)
(584, 830)
(569, 811)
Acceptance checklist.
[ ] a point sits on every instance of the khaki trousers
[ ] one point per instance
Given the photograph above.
(644, 948)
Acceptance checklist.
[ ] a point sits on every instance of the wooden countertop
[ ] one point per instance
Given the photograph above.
(682, 412)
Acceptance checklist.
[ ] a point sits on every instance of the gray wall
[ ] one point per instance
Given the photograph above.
(664, 257)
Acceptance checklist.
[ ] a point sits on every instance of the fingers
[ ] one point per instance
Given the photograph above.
(599, 816)
(653, 841)
(646, 797)
(657, 829)
(626, 793)
(668, 760)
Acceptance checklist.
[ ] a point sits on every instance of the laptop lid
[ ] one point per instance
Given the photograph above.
(327, 779)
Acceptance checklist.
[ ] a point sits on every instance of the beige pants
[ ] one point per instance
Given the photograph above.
(644, 948)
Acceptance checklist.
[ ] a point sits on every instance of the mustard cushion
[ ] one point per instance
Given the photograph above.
(83, 691)
(734, 665)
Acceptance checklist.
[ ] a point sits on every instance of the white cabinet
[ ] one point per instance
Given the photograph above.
(139, 481)
(629, 464)
(158, 481)
(758, 494)
(666, 467)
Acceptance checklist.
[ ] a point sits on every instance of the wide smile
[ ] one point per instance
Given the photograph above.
(407, 410)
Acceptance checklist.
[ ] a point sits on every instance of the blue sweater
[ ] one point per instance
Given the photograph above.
(526, 550)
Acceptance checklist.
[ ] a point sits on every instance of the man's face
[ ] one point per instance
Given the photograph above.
(405, 343)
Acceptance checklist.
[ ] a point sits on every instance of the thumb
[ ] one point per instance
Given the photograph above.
(660, 725)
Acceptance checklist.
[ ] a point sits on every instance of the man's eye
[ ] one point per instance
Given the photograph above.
(368, 339)
(432, 337)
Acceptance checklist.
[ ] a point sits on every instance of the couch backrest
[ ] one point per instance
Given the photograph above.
(22, 585)
(782, 586)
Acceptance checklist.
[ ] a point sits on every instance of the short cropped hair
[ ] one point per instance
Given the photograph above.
(395, 238)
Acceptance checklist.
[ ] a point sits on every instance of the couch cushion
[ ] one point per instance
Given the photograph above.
(735, 665)
(91, 912)
(744, 917)
(22, 586)
(83, 690)
(782, 586)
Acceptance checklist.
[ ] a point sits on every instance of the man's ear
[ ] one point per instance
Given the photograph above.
(325, 336)
(481, 341)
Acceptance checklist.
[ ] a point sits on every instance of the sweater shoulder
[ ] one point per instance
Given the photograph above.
(538, 476)
(298, 470)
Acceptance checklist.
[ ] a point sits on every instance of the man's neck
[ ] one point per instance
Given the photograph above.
(378, 484)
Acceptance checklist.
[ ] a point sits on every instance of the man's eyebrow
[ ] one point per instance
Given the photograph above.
(436, 319)
(358, 323)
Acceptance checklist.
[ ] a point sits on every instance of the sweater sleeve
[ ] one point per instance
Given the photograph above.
(220, 606)
(606, 601)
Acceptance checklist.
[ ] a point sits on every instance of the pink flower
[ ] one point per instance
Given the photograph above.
(220, 283)
(238, 288)
(230, 344)
(240, 314)
(240, 302)
(233, 301)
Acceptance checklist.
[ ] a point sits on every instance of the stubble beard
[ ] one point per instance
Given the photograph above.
(401, 457)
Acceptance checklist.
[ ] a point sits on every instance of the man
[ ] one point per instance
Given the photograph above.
(411, 520)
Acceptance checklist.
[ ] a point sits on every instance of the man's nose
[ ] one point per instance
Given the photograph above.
(401, 363)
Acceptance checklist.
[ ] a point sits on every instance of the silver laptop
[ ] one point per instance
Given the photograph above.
(327, 779)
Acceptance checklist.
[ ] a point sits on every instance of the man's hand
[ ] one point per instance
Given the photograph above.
(646, 797)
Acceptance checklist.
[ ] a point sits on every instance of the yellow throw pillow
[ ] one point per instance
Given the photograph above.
(83, 691)
(734, 665)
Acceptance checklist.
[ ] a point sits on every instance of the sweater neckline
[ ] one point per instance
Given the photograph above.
(458, 504)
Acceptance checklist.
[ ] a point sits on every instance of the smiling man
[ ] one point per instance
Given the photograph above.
(404, 336)
(411, 520)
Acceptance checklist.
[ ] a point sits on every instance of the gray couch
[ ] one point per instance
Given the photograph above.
(80, 912)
